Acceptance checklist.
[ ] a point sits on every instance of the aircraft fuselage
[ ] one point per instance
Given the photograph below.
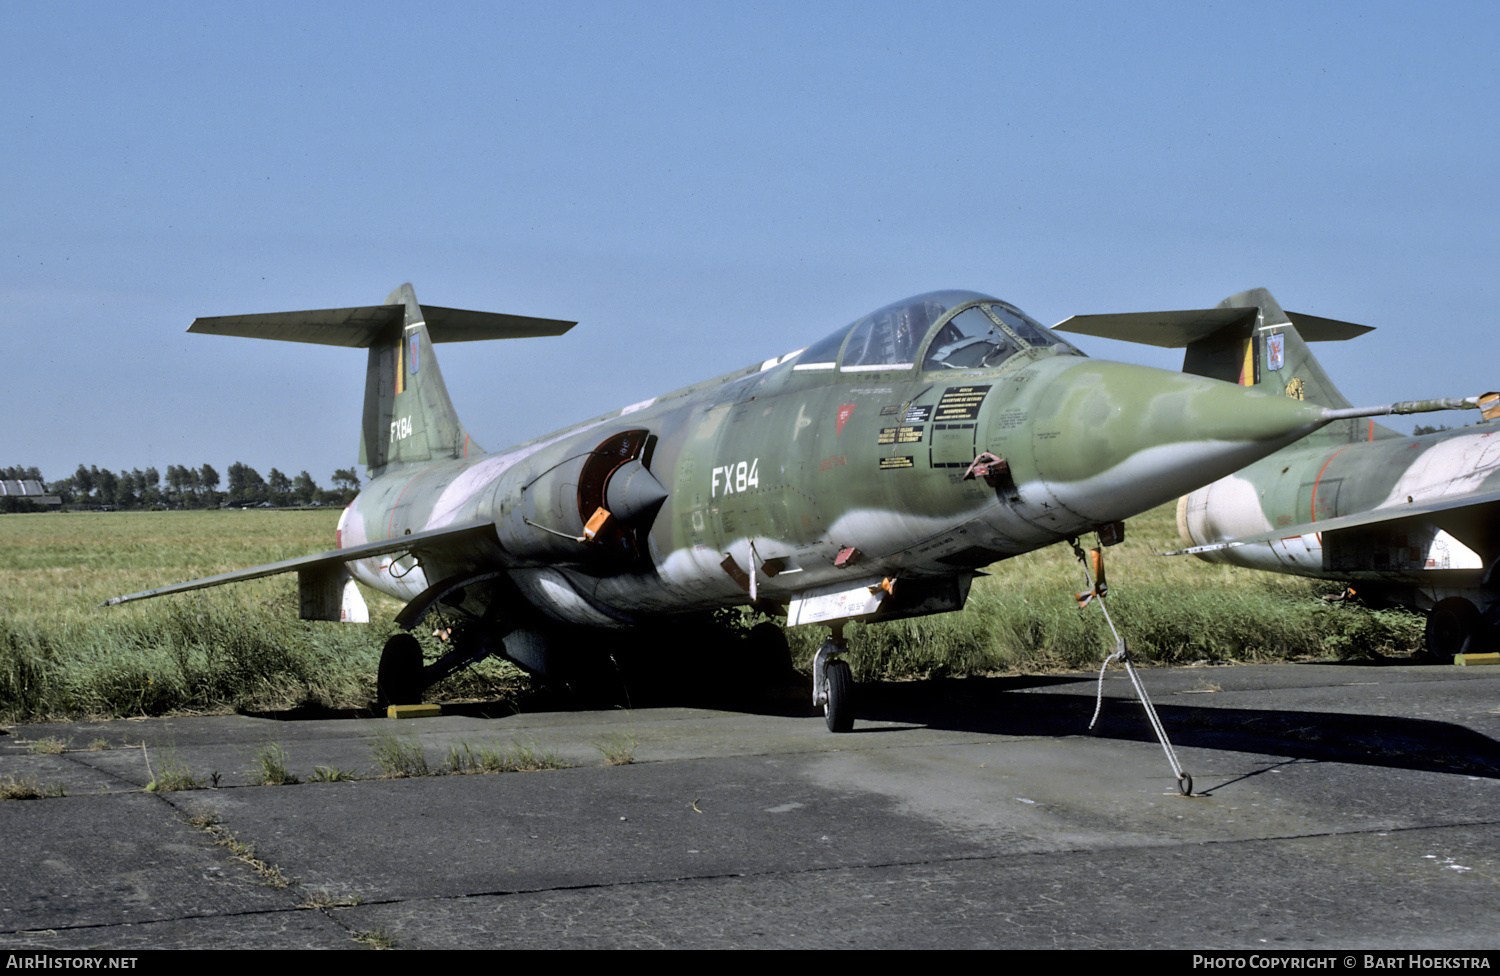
(780, 479)
(1420, 553)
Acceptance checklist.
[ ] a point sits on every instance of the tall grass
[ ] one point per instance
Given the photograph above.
(241, 646)
(188, 655)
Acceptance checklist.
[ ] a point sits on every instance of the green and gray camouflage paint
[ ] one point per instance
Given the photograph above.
(867, 476)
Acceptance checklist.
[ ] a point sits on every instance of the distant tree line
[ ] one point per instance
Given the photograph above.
(185, 487)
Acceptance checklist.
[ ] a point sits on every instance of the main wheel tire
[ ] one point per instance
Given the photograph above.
(400, 675)
(1451, 628)
(838, 710)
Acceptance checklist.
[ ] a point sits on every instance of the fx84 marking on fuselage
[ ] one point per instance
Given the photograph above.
(733, 478)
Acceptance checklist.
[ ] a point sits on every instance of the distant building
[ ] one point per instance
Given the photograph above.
(33, 491)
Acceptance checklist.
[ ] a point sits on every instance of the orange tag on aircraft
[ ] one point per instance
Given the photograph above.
(597, 522)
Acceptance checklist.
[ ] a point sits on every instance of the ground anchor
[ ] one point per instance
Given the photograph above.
(1095, 594)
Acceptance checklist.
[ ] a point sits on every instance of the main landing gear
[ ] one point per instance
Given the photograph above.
(833, 682)
(465, 638)
(400, 676)
(1454, 626)
(403, 676)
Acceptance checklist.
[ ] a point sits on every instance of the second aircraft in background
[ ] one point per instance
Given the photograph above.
(1407, 521)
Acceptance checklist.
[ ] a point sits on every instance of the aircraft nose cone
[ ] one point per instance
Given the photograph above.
(1110, 440)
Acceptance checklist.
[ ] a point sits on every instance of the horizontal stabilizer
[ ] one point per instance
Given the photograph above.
(413, 543)
(365, 326)
(1176, 330)
(1314, 328)
(1170, 330)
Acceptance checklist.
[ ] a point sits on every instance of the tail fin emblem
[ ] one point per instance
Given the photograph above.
(1275, 352)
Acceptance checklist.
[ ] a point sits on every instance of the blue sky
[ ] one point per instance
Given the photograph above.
(702, 186)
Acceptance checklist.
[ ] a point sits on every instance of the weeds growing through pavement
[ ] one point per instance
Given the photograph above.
(208, 822)
(377, 939)
(322, 898)
(202, 818)
(330, 774)
(28, 789)
(50, 746)
(174, 775)
(617, 748)
(399, 755)
(517, 757)
(271, 768)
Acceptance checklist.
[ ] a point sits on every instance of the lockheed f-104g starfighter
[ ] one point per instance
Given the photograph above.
(868, 476)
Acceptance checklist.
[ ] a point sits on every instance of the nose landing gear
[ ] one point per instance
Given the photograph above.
(833, 682)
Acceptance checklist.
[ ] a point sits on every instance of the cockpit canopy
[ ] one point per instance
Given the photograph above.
(947, 329)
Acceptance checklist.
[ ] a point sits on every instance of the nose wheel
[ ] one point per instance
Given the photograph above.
(838, 707)
(833, 684)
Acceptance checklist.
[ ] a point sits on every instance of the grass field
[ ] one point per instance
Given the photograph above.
(241, 646)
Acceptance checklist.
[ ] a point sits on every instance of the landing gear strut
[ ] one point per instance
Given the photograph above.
(833, 683)
(468, 639)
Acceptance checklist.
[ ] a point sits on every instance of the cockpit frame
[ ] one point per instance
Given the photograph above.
(940, 330)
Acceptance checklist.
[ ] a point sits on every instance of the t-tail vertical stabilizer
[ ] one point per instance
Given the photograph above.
(1247, 340)
(408, 417)
(1270, 351)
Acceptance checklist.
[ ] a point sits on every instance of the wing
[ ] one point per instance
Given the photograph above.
(324, 564)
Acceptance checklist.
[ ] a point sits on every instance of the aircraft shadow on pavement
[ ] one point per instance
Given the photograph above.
(1036, 705)
(995, 706)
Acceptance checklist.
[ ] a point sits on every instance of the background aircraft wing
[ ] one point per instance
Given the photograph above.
(415, 542)
(1466, 516)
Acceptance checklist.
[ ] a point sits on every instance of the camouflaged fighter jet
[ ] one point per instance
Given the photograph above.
(868, 476)
(1409, 521)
